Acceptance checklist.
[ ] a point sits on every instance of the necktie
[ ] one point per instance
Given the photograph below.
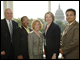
(65, 30)
(10, 27)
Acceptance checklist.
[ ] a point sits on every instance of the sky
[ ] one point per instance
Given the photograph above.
(37, 9)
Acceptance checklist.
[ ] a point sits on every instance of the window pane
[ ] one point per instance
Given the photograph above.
(64, 5)
(1, 9)
(32, 9)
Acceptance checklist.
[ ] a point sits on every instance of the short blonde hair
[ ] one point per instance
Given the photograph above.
(50, 14)
(34, 22)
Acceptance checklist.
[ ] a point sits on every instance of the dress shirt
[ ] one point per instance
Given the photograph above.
(8, 23)
(67, 28)
(27, 29)
(71, 23)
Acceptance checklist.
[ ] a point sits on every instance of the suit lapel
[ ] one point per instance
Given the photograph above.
(50, 27)
(70, 27)
(44, 30)
(24, 30)
(13, 24)
(6, 26)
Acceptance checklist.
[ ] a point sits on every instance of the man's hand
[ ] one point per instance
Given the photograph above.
(61, 51)
(20, 57)
(44, 52)
(3, 53)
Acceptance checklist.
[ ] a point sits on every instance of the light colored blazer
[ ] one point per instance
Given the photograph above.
(35, 45)
(70, 42)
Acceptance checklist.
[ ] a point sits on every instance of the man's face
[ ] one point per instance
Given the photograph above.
(8, 14)
(25, 22)
(70, 17)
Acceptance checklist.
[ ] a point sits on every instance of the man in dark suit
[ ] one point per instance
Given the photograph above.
(20, 39)
(7, 26)
(70, 37)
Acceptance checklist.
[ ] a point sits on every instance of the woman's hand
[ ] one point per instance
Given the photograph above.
(54, 56)
(61, 51)
(44, 52)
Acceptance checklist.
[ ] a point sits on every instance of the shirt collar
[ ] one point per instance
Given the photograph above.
(71, 23)
(8, 20)
(24, 27)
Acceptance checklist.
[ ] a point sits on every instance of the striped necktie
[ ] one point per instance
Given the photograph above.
(10, 27)
(65, 30)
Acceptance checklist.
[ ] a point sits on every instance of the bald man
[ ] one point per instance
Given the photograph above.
(7, 26)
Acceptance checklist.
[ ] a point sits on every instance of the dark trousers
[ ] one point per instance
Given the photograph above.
(49, 53)
(10, 55)
(24, 54)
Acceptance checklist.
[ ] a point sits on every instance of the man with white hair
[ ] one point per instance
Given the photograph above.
(7, 26)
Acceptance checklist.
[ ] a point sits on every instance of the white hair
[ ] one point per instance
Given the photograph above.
(7, 9)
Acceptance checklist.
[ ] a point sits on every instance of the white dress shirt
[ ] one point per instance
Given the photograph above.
(8, 23)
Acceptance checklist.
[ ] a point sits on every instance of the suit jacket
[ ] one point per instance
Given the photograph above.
(35, 45)
(70, 42)
(5, 37)
(20, 42)
(52, 37)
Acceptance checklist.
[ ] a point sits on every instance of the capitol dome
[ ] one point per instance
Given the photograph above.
(59, 15)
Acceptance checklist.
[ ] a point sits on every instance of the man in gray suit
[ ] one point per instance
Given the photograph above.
(70, 37)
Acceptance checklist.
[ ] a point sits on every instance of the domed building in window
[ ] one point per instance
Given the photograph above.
(59, 15)
(59, 19)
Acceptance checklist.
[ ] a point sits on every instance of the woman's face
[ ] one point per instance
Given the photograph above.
(37, 26)
(48, 18)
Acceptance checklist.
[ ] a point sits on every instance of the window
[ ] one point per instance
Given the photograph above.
(1, 9)
(32, 9)
(64, 5)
